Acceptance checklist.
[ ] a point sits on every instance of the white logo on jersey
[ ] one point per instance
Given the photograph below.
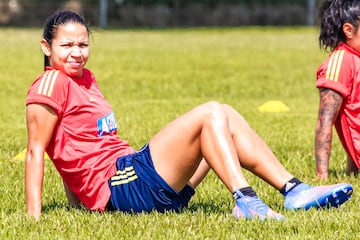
(106, 124)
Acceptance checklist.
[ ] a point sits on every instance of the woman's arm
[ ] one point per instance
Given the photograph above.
(329, 106)
(41, 121)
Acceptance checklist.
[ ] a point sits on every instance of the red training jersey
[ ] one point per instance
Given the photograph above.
(84, 145)
(341, 72)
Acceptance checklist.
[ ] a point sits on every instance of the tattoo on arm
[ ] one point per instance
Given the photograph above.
(330, 103)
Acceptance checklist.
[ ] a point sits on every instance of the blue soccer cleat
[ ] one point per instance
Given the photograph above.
(304, 196)
(253, 208)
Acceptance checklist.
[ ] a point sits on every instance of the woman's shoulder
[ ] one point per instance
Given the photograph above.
(345, 53)
(50, 88)
(53, 75)
(50, 83)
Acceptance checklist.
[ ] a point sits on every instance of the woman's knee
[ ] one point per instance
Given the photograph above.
(214, 112)
(231, 112)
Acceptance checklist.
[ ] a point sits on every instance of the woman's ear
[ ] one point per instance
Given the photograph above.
(348, 30)
(45, 47)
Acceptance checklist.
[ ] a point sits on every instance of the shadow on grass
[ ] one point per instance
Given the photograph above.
(50, 207)
(333, 173)
(193, 207)
(206, 207)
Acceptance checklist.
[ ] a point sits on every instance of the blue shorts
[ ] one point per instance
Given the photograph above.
(137, 187)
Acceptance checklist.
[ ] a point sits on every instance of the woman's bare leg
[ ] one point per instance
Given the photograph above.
(221, 135)
(254, 153)
(203, 132)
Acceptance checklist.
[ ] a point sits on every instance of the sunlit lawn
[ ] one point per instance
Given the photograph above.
(152, 76)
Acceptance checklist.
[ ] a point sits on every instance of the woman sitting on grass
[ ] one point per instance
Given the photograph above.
(69, 118)
(338, 81)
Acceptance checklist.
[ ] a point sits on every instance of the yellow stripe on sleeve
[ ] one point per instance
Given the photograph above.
(42, 82)
(47, 83)
(339, 62)
(52, 83)
(334, 65)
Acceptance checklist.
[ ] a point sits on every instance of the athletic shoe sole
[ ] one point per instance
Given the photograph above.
(321, 197)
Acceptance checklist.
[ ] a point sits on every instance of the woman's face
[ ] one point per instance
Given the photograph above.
(69, 49)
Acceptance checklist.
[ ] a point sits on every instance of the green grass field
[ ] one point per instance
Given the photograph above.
(152, 76)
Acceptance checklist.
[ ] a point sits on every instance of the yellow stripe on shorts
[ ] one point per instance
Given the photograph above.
(124, 176)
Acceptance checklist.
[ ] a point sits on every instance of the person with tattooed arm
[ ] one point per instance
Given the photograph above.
(338, 81)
